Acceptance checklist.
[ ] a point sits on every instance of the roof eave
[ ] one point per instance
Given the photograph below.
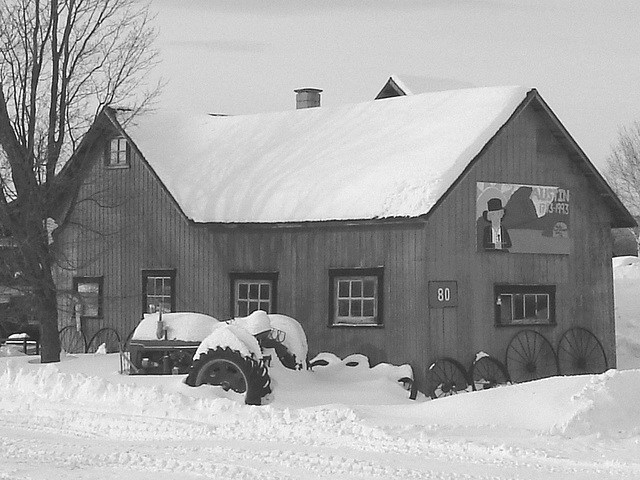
(311, 224)
(621, 217)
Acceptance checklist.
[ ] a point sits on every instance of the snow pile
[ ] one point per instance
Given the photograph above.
(190, 327)
(237, 334)
(548, 405)
(11, 351)
(24, 386)
(18, 336)
(626, 274)
(47, 383)
(255, 323)
(626, 267)
(240, 334)
(231, 336)
(357, 365)
(609, 405)
(604, 405)
(295, 338)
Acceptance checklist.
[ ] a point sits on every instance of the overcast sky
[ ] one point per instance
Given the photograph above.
(241, 57)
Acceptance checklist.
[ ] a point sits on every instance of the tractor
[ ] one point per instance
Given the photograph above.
(234, 354)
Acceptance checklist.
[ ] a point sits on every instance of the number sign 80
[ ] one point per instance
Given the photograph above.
(443, 294)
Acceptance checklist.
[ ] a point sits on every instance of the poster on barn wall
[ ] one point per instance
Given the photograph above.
(517, 218)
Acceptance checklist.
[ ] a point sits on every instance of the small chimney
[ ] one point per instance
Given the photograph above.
(307, 98)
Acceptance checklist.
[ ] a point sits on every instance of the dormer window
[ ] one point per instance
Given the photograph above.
(118, 153)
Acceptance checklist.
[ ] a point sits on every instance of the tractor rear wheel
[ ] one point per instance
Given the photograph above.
(232, 371)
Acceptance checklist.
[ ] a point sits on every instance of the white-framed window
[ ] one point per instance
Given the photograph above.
(356, 297)
(118, 152)
(89, 292)
(253, 291)
(158, 291)
(525, 304)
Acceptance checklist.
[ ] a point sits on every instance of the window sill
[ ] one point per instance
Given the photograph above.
(526, 324)
(356, 325)
(117, 167)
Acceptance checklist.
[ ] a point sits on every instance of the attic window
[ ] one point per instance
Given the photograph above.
(118, 153)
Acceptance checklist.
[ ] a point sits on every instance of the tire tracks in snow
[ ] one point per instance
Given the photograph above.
(269, 445)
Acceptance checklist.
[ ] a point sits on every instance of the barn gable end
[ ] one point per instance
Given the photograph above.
(118, 221)
(525, 151)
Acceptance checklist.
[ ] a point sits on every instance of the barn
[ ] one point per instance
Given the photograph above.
(439, 229)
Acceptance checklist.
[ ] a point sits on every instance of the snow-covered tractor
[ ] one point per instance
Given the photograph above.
(234, 354)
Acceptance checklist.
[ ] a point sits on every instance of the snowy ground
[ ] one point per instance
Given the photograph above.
(81, 419)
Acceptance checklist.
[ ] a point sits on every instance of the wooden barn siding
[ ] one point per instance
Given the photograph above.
(303, 257)
(524, 152)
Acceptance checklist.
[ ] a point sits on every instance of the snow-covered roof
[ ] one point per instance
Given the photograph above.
(379, 159)
(414, 85)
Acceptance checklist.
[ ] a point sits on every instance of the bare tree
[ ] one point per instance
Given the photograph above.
(623, 171)
(61, 61)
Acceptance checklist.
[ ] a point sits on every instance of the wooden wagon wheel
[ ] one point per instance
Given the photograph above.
(488, 372)
(71, 340)
(109, 336)
(530, 356)
(446, 377)
(580, 352)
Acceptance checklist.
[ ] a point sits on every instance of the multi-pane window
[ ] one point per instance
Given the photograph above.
(252, 296)
(525, 304)
(251, 292)
(356, 297)
(89, 293)
(118, 155)
(158, 291)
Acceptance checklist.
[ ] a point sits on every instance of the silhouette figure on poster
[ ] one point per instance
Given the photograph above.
(521, 210)
(521, 214)
(495, 235)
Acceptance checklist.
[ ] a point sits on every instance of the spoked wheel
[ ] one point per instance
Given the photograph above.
(530, 356)
(107, 336)
(580, 352)
(230, 370)
(71, 340)
(446, 377)
(488, 372)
